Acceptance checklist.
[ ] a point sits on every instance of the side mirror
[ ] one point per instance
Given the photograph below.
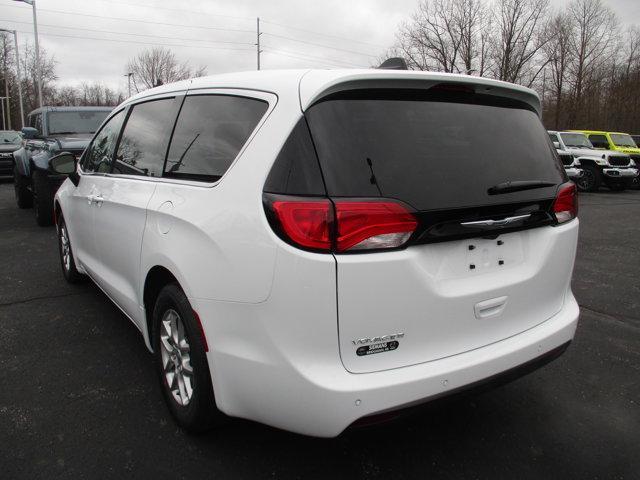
(63, 163)
(30, 133)
(556, 145)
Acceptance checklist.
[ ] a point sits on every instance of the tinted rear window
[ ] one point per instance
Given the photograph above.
(432, 150)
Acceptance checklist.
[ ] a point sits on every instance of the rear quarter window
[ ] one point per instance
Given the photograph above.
(210, 132)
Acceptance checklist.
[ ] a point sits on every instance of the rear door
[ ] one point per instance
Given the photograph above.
(467, 279)
(123, 195)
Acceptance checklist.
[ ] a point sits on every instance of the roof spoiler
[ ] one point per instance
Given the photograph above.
(394, 63)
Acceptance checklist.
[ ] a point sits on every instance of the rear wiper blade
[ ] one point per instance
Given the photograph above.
(517, 186)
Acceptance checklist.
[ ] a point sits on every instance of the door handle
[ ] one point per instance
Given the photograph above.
(490, 308)
(97, 199)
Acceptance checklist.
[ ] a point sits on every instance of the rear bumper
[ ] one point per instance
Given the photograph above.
(322, 399)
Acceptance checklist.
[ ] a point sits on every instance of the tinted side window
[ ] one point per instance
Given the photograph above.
(37, 122)
(210, 131)
(99, 155)
(143, 145)
(553, 137)
(599, 141)
(296, 170)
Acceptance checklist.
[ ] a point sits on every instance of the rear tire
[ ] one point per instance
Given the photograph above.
(24, 199)
(181, 362)
(67, 260)
(42, 199)
(591, 180)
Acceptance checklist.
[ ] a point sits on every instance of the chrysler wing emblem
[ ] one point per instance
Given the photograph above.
(496, 223)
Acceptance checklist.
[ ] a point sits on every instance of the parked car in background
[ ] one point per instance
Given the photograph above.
(569, 161)
(616, 141)
(10, 141)
(295, 250)
(611, 168)
(50, 130)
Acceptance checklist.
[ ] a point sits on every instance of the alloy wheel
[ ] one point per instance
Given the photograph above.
(587, 180)
(176, 359)
(65, 248)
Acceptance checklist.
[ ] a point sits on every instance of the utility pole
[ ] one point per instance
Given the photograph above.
(35, 34)
(258, 33)
(19, 80)
(6, 81)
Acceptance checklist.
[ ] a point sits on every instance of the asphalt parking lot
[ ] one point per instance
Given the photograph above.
(79, 397)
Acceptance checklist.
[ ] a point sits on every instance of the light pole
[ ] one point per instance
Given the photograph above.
(128, 75)
(35, 34)
(18, 79)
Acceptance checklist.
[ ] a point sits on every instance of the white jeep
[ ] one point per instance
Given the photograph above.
(616, 170)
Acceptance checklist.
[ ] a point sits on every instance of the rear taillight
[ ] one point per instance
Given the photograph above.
(372, 225)
(565, 207)
(306, 223)
(342, 225)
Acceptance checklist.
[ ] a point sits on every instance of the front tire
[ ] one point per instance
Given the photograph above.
(591, 180)
(42, 199)
(24, 199)
(67, 260)
(181, 362)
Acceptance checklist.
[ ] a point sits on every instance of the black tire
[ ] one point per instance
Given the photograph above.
(200, 413)
(24, 199)
(42, 199)
(68, 265)
(590, 180)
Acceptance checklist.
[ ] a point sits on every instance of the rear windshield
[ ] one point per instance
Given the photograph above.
(431, 150)
(67, 122)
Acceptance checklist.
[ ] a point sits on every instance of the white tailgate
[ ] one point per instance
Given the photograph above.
(442, 306)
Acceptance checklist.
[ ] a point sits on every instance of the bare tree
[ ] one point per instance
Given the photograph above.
(443, 35)
(520, 35)
(158, 66)
(595, 27)
(29, 71)
(558, 53)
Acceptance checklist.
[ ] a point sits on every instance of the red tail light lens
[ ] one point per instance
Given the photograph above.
(342, 225)
(565, 207)
(372, 225)
(306, 223)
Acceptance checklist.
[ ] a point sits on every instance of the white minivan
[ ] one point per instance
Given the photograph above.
(314, 249)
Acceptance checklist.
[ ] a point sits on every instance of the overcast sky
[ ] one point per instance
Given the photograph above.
(297, 33)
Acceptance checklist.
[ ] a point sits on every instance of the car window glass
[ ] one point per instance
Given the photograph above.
(37, 123)
(553, 137)
(99, 156)
(431, 150)
(599, 141)
(143, 145)
(209, 133)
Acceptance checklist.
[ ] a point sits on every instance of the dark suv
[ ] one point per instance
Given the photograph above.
(50, 130)
(9, 142)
